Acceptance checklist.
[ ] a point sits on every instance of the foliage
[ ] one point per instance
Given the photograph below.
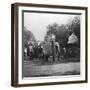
(28, 36)
(74, 26)
(63, 31)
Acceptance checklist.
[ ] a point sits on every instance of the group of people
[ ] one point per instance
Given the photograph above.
(46, 49)
(42, 50)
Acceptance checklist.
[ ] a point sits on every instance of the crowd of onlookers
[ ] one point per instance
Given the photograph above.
(46, 49)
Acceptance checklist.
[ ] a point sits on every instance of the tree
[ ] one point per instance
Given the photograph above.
(73, 26)
(62, 35)
(52, 28)
(60, 32)
(76, 26)
(63, 31)
(28, 36)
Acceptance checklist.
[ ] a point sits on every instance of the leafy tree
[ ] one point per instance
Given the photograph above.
(74, 26)
(28, 36)
(63, 31)
(52, 28)
(60, 32)
(62, 35)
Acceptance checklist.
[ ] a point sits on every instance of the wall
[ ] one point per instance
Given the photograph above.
(5, 45)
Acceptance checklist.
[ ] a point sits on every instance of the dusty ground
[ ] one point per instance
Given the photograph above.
(33, 69)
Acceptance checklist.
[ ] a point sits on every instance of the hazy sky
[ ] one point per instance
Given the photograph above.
(37, 22)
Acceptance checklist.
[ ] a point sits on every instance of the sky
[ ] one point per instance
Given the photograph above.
(37, 22)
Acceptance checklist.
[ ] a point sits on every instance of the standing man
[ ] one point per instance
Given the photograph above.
(53, 46)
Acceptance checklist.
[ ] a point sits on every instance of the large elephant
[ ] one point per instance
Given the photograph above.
(50, 49)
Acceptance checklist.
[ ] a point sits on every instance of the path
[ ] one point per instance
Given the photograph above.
(55, 69)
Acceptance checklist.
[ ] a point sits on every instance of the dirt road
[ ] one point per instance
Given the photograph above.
(71, 68)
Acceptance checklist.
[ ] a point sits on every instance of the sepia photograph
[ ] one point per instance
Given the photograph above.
(49, 44)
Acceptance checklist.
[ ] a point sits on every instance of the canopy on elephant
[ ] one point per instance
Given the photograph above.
(72, 39)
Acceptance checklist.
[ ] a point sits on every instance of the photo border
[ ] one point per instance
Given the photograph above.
(14, 43)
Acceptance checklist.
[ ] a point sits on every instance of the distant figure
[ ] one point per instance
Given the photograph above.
(40, 51)
(57, 47)
(30, 51)
(25, 52)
